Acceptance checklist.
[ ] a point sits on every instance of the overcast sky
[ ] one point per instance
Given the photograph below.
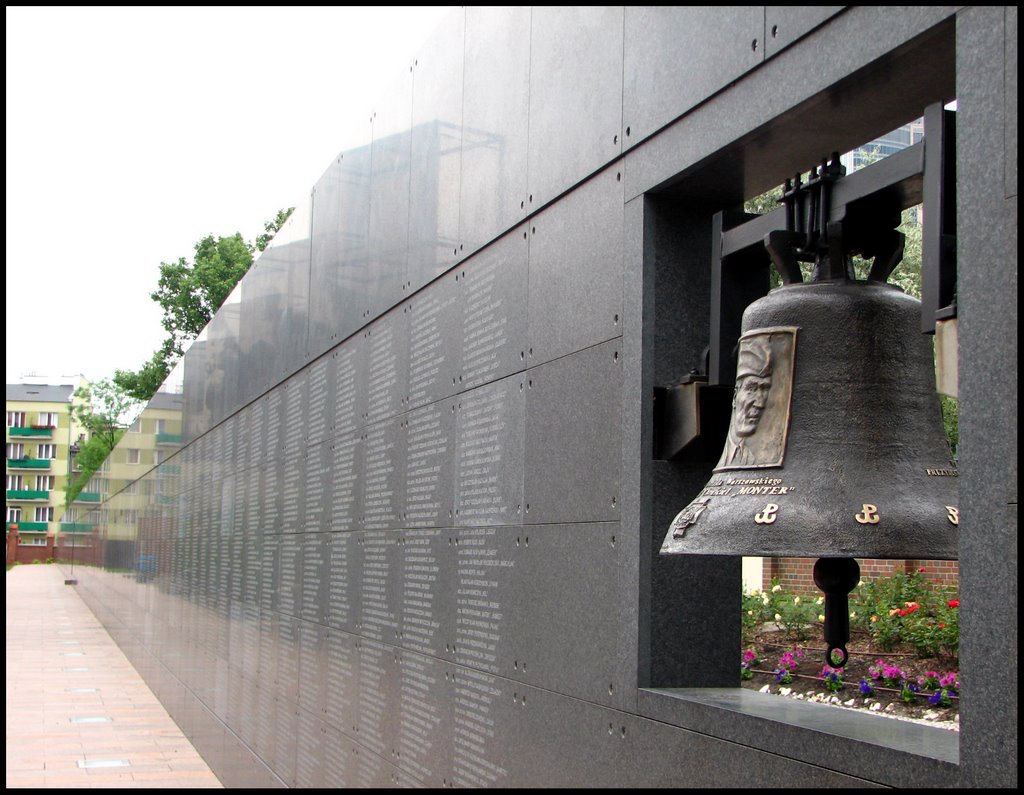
(132, 133)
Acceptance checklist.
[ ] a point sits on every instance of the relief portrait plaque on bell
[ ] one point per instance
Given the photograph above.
(761, 402)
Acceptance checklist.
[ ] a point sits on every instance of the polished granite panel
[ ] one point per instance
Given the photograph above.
(629, 751)
(495, 130)
(576, 267)
(383, 481)
(223, 393)
(387, 346)
(349, 386)
(429, 486)
(342, 681)
(317, 487)
(340, 273)
(197, 415)
(421, 748)
(488, 571)
(377, 706)
(483, 715)
(488, 458)
(572, 622)
(663, 44)
(784, 25)
(434, 341)
(380, 570)
(575, 97)
(390, 172)
(319, 417)
(291, 246)
(343, 559)
(427, 608)
(492, 327)
(436, 165)
(573, 449)
(262, 302)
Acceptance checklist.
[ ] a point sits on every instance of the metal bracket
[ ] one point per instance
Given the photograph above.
(691, 420)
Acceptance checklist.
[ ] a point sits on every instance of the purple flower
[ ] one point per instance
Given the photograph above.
(866, 688)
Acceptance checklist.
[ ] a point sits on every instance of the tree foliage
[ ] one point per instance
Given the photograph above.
(104, 409)
(189, 293)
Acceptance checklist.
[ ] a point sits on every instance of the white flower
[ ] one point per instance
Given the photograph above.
(796, 600)
(860, 584)
(755, 592)
(750, 612)
(821, 619)
(778, 617)
(776, 588)
(853, 614)
(764, 598)
(820, 600)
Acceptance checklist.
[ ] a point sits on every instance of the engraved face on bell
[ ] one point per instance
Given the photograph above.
(751, 398)
(760, 406)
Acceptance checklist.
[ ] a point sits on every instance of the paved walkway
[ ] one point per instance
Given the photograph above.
(78, 714)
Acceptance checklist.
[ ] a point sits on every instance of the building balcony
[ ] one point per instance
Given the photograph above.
(28, 463)
(75, 527)
(28, 527)
(88, 496)
(169, 439)
(27, 495)
(34, 433)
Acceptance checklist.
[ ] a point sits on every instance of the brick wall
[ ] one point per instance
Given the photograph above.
(27, 553)
(794, 574)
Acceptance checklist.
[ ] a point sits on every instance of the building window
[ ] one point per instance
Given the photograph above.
(13, 514)
(15, 450)
(44, 482)
(132, 488)
(15, 483)
(131, 516)
(134, 454)
(48, 419)
(15, 419)
(46, 451)
(136, 427)
(44, 513)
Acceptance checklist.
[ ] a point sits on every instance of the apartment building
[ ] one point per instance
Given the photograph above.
(40, 432)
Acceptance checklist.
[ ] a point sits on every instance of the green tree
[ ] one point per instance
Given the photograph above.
(189, 293)
(104, 409)
(271, 228)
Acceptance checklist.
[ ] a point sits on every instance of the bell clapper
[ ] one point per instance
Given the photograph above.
(836, 577)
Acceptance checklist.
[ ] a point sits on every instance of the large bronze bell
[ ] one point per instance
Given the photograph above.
(836, 447)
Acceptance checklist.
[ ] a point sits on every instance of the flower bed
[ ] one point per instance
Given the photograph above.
(902, 654)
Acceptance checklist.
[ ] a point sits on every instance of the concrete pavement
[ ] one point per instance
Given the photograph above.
(78, 714)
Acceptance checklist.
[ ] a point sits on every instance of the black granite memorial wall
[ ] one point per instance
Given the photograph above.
(402, 520)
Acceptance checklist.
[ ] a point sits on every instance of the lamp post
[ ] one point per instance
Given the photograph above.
(72, 452)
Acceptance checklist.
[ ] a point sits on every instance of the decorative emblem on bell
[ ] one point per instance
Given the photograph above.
(836, 447)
